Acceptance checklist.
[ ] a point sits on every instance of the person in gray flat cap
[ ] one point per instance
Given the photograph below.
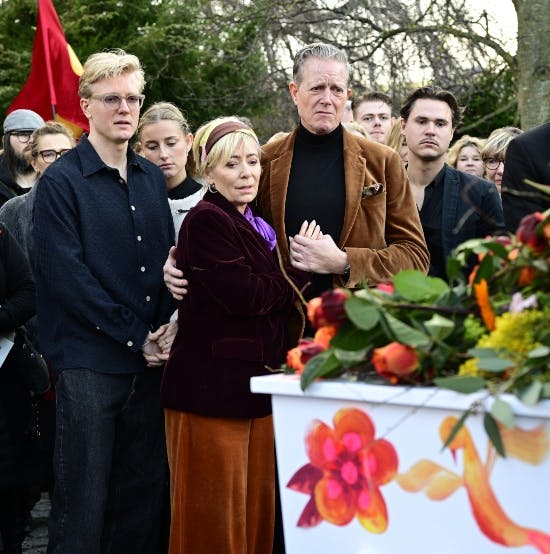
(16, 173)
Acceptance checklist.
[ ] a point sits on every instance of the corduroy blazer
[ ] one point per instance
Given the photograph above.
(381, 233)
(233, 323)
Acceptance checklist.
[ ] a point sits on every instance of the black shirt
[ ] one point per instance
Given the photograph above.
(316, 190)
(431, 219)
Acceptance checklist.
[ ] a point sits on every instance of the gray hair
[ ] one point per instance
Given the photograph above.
(318, 50)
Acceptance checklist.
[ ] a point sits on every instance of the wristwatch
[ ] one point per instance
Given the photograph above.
(347, 271)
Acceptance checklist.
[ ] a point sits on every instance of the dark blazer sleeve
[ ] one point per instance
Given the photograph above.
(220, 253)
(18, 304)
(518, 198)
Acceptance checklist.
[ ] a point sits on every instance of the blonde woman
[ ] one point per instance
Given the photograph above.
(232, 326)
(164, 138)
(465, 155)
(397, 142)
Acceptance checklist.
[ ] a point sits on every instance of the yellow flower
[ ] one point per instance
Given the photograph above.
(514, 336)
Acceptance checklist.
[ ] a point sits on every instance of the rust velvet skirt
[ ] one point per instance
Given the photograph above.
(222, 484)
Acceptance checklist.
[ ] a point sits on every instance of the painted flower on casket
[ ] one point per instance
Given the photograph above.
(348, 465)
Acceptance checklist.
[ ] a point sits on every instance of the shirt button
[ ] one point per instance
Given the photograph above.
(142, 268)
(139, 238)
(133, 208)
(148, 298)
(130, 343)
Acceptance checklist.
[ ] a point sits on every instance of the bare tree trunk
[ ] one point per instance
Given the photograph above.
(533, 61)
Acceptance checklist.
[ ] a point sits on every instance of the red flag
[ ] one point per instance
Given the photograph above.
(52, 87)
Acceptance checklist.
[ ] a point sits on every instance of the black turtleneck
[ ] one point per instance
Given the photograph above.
(186, 188)
(316, 190)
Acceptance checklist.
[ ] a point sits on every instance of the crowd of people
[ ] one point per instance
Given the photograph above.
(158, 276)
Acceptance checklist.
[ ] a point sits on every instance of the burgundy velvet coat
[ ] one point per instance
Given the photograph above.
(381, 231)
(232, 324)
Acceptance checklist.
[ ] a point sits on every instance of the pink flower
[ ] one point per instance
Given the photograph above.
(346, 470)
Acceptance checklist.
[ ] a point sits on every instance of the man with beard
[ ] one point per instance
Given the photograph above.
(17, 175)
(453, 206)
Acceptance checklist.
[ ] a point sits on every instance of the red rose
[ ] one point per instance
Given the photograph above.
(328, 309)
(298, 357)
(395, 360)
(527, 232)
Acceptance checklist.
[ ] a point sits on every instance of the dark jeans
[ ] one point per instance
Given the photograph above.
(110, 467)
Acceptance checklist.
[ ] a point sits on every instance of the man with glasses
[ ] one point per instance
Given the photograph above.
(102, 227)
(16, 173)
(453, 206)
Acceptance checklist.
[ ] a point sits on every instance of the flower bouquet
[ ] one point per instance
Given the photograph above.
(488, 328)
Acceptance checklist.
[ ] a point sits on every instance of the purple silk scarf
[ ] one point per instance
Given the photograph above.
(263, 227)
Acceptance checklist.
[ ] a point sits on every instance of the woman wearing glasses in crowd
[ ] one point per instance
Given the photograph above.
(46, 144)
(494, 152)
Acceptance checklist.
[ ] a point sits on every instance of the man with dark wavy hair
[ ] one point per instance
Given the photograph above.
(453, 206)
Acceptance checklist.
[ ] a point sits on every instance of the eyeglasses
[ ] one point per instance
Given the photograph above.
(114, 101)
(22, 136)
(49, 156)
(492, 162)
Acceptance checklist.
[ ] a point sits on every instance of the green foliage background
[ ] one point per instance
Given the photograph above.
(191, 56)
(228, 57)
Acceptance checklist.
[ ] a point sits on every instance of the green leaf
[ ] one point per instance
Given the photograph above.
(350, 356)
(540, 352)
(405, 333)
(361, 313)
(532, 393)
(456, 428)
(464, 384)
(543, 188)
(545, 390)
(319, 366)
(351, 338)
(414, 286)
(492, 430)
(489, 360)
(495, 364)
(502, 411)
(439, 327)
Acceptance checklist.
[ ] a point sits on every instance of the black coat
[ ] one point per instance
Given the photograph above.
(527, 157)
(17, 299)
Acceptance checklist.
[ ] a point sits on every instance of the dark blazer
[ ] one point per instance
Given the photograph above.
(527, 157)
(471, 209)
(232, 324)
(381, 233)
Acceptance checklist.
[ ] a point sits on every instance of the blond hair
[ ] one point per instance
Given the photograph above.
(395, 138)
(163, 111)
(498, 141)
(111, 63)
(222, 150)
(462, 142)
